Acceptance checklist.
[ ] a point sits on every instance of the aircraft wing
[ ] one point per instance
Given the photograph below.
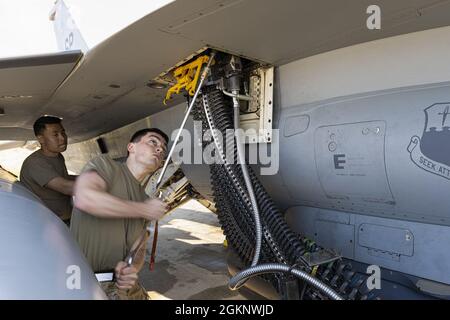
(27, 83)
(108, 88)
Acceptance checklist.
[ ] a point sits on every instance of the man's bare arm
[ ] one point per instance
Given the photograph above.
(61, 185)
(91, 197)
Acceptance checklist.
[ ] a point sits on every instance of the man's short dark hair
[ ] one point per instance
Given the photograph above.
(137, 136)
(39, 124)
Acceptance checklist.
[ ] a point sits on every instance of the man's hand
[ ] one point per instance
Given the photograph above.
(153, 209)
(126, 277)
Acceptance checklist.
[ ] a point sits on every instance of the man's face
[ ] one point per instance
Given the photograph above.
(150, 150)
(53, 138)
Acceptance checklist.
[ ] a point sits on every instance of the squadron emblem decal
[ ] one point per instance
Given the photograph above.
(432, 151)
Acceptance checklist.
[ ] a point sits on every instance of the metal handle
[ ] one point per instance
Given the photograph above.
(200, 84)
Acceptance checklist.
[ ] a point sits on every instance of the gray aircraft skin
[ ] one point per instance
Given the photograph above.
(360, 121)
(40, 259)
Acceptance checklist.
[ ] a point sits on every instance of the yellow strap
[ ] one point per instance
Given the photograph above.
(187, 77)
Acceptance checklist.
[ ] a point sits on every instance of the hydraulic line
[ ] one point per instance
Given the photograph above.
(244, 275)
(237, 95)
(248, 183)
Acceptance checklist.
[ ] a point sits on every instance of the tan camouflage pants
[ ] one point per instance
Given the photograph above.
(136, 293)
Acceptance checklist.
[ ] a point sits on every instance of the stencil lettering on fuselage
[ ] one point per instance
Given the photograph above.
(350, 162)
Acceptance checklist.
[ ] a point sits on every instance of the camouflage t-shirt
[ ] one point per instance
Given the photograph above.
(106, 241)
